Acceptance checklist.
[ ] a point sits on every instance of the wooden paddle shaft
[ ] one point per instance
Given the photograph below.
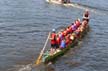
(40, 56)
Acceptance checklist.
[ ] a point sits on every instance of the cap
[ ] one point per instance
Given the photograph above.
(53, 30)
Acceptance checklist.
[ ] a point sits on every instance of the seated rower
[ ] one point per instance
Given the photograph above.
(68, 41)
(72, 37)
(61, 34)
(68, 30)
(77, 22)
(63, 44)
(74, 27)
(65, 32)
(77, 32)
(86, 15)
(58, 40)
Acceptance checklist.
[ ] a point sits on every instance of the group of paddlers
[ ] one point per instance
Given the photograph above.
(65, 37)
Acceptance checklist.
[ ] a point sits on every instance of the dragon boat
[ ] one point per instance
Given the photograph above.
(46, 58)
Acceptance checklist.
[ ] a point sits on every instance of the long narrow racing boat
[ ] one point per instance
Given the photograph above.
(54, 1)
(59, 2)
(51, 58)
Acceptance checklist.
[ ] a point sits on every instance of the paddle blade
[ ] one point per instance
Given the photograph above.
(38, 61)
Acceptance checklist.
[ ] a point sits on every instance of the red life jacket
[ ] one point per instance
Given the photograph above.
(58, 40)
(67, 40)
(67, 30)
(70, 29)
(53, 40)
(78, 23)
(65, 33)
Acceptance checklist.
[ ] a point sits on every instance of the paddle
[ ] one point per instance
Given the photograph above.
(38, 61)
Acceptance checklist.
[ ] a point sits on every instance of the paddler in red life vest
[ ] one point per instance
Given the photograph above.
(67, 39)
(65, 32)
(86, 15)
(53, 41)
(69, 30)
(77, 22)
(58, 40)
(77, 32)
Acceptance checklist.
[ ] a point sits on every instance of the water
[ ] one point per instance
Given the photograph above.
(24, 26)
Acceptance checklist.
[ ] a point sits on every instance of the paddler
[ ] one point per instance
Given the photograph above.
(58, 40)
(61, 34)
(63, 44)
(53, 41)
(77, 32)
(68, 39)
(86, 15)
(72, 37)
(68, 30)
(74, 27)
(77, 22)
(65, 32)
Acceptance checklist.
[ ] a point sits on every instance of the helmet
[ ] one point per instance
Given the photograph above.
(53, 30)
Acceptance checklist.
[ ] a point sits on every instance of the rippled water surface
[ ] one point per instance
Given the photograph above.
(24, 26)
